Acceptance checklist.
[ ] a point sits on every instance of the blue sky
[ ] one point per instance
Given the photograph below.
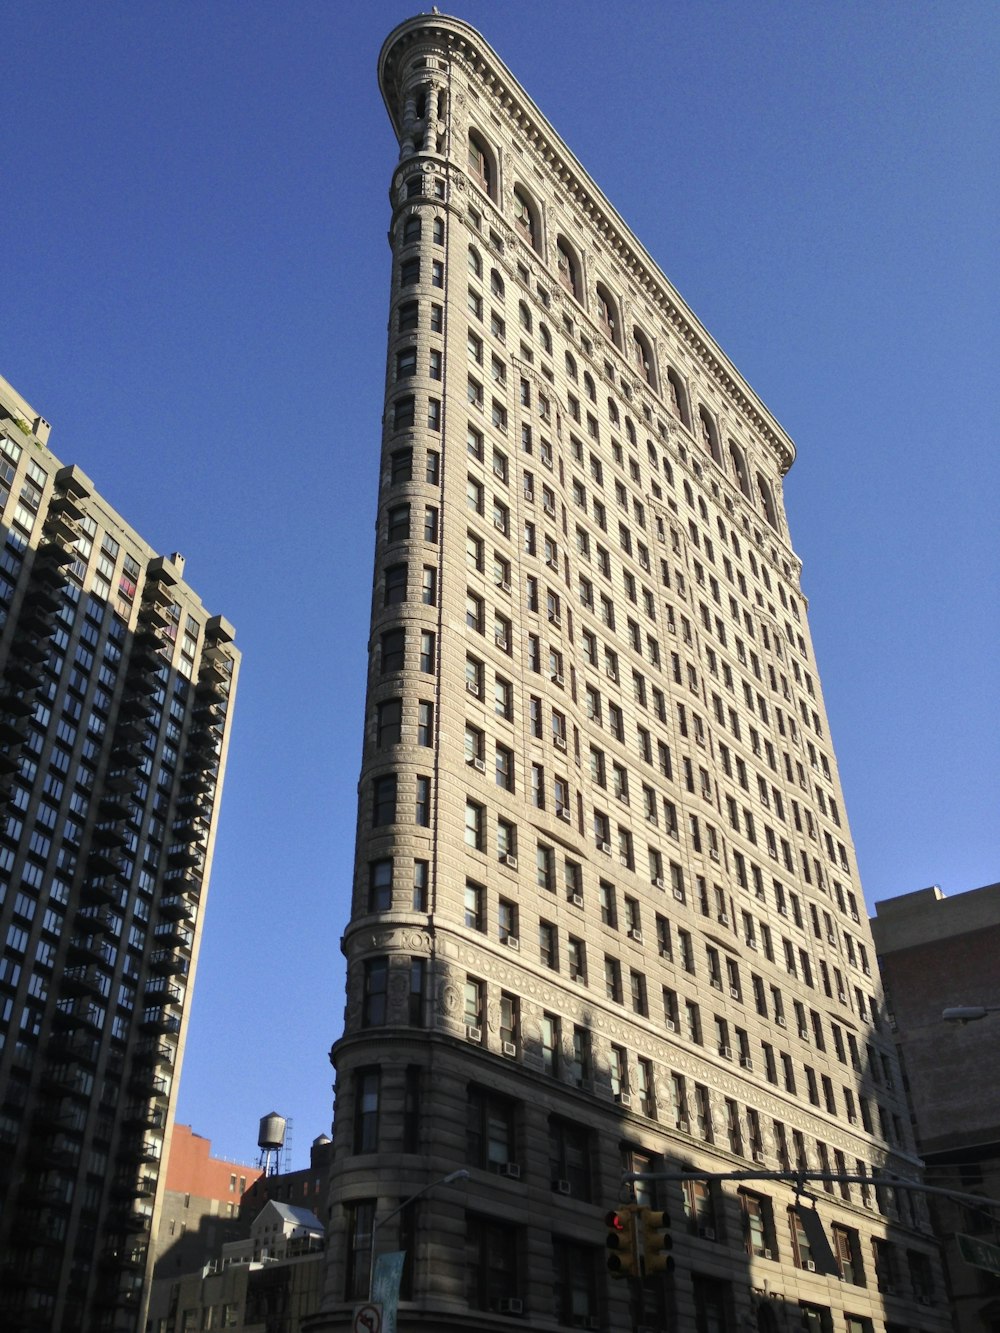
(193, 243)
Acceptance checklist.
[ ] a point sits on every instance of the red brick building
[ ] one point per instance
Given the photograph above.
(201, 1210)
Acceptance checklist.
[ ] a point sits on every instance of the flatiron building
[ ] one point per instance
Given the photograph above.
(606, 913)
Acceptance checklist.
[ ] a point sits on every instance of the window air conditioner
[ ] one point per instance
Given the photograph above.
(746, 1062)
(604, 847)
(722, 919)
(478, 764)
(509, 1169)
(507, 859)
(670, 1025)
(684, 1127)
(734, 993)
(503, 585)
(623, 1099)
(472, 688)
(707, 1233)
(809, 1266)
(474, 1033)
(767, 1254)
(657, 881)
(510, 1305)
(501, 641)
(726, 1052)
(557, 679)
(679, 895)
(758, 1157)
(562, 1187)
(564, 814)
(513, 943)
(559, 742)
(576, 899)
(635, 934)
(554, 618)
(509, 1048)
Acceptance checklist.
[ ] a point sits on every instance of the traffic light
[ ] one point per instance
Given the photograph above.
(656, 1241)
(622, 1241)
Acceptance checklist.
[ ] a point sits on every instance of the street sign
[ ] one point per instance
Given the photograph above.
(367, 1318)
(979, 1253)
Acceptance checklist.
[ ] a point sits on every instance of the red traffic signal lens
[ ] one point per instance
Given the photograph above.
(615, 1221)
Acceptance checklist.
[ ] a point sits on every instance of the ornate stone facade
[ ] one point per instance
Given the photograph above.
(606, 912)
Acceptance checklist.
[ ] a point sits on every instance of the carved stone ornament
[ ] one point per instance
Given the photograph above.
(449, 998)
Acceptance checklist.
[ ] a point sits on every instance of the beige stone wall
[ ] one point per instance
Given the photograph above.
(627, 503)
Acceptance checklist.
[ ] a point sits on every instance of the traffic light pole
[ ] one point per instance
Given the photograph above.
(798, 1180)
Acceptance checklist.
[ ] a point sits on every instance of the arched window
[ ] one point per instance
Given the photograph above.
(767, 502)
(677, 397)
(613, 411)
(496, 283)
(570, 367)
(524, 315)
(668, 471)
(607, 314)
(475, 263)
(482, 166)
(588, 384)
(709, 433)
(643, 353)
(526, 218)
(569, 269)
(629, 430)
(740, 468)
(689, 494)
(545, 338)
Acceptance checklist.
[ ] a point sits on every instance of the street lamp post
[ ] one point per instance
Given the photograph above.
(969, 1013)
(449, 1179)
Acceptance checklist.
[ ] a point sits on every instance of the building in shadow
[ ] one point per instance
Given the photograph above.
(262, 1270)
(937, 952)
(116, 694)
(202, 1204)
(266, 1283)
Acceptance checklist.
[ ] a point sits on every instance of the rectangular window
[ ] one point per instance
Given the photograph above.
(376, 979)
(490, 1263)
(569, 1158)
(366, 1100)
(422, 808)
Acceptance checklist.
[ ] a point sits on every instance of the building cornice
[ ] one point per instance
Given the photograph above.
(461, 40)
